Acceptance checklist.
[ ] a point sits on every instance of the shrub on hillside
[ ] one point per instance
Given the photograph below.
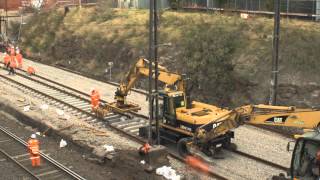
(207, 61)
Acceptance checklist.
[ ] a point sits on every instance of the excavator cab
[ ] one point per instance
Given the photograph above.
(171, 101)
(305, 163)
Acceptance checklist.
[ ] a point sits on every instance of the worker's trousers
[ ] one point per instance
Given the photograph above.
(35, 160)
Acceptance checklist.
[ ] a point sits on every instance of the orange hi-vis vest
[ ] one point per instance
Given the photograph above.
(19, 58)
(13, 62)
(33, 146)
(6, 59)
(95, 98)
(146, 148)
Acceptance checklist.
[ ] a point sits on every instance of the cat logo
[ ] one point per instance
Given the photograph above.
(216, 125)
(277, 119)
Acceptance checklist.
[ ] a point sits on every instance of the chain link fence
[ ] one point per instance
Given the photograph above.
(310, 8)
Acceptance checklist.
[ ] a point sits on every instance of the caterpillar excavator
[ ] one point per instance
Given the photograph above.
(181, 118)
(201, 129)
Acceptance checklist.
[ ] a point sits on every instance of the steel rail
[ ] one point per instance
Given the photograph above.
(74, 107)
(269, 163)
(19, 164)
(46, 157)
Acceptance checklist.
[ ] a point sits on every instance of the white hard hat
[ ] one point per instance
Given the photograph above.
(33, 136)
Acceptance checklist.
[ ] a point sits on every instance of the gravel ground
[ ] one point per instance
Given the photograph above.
(263, 144)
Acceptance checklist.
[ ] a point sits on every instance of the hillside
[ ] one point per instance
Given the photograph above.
(227, 58)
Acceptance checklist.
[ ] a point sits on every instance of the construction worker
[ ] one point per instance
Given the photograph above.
(6, 60)
(19, 59)
(33, 148)
(13, 65)
(31, 70)
(144, 150)
(95, 98)
(198, 164)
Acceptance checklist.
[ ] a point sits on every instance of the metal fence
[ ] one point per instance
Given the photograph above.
(310, 7)
(140, 4)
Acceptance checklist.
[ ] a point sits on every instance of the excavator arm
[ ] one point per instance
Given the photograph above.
(285, 116)
(219, 126)
(141, 68)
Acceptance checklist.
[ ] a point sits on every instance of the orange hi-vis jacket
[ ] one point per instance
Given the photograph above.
(13, 62)
(33, 146)
(6, 59)
(19, 59)
(95, 98)
(146, 148)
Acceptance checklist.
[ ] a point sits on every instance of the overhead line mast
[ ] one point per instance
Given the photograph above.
(275, 54)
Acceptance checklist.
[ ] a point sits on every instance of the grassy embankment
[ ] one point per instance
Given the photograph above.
(228, 58)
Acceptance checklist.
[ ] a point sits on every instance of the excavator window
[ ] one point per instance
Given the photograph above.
(179, 101)
(170, 103)
(169, 113)
(306, 163)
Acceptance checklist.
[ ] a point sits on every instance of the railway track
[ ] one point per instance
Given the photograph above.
(263, 161)
(14, 148)
(78, 104)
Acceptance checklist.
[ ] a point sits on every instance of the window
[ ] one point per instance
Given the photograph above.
(179, 101)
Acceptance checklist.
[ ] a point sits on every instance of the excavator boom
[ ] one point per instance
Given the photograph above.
(285, 116)
(141, 68)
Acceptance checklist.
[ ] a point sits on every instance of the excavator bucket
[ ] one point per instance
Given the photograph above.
(107, 108)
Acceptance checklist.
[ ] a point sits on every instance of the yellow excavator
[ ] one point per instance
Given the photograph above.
(201, 129)
(181, 118)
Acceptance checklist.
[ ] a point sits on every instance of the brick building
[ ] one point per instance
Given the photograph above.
(11, 4)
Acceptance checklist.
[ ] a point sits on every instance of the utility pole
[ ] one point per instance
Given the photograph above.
(6, 22)
(275, 53)
(151, 55)
(155, 17)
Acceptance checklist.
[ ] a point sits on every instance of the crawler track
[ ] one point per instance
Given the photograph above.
(14, 148)
(78, 103)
